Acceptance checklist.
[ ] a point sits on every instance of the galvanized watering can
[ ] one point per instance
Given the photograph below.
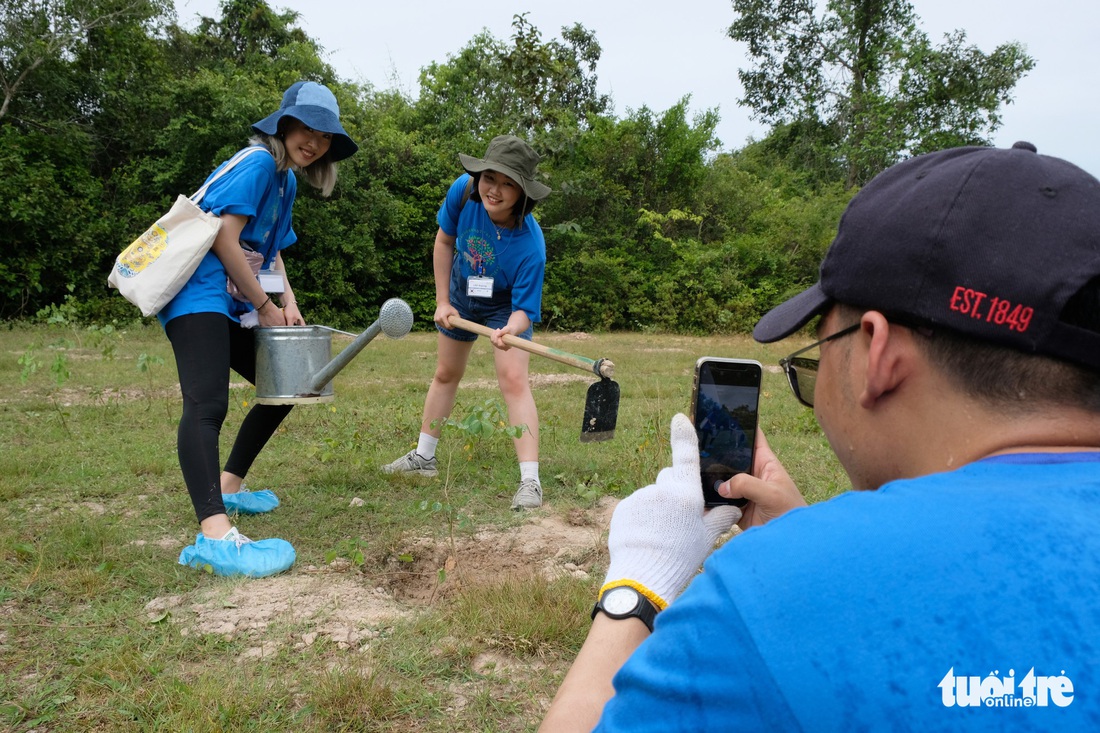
(294, 364)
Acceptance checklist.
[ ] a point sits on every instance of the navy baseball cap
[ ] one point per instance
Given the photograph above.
(316, 107)
(992, 243)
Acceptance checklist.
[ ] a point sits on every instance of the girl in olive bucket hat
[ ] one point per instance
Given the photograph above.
(489, 258)
(207, 322)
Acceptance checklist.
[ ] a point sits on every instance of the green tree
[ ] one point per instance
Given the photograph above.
(626, 194)
(36, 35)
(56, 215)
(866, 83)
(528, 87)
(649, 225)
(652, 161)
(128, 112)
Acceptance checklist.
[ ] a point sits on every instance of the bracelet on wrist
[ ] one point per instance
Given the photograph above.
(260, 307)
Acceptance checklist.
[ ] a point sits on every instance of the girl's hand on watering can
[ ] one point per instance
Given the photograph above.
(271, 315)
(293, 315)
(443, 314)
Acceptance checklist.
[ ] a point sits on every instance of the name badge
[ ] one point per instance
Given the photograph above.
(479, 287)
(271, 281)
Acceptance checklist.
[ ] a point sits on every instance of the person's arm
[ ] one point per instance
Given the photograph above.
(442, 257)
(286, 298)
(227, 248)
(587, 686)
(659, 536)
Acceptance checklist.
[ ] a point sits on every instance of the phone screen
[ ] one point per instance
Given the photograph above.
(724, 410)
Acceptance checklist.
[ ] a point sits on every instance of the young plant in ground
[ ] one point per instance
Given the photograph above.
(482, 422)
(59, 367)
(351, 549)
(145, 365)
(588, 490)
(106, 338)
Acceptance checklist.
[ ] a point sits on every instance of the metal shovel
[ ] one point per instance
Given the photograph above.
(601, 406)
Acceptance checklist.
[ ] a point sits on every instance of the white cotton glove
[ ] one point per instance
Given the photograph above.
(661, 534)
(251, 319)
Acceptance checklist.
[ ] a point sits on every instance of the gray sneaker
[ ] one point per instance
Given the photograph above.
(412, 462)
(529, 495)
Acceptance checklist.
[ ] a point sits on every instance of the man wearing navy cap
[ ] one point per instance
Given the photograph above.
(956, 375)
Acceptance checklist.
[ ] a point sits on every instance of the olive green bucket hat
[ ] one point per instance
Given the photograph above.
(514, 158)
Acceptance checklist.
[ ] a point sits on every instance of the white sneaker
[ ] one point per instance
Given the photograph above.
(414, 463)
(528, 496)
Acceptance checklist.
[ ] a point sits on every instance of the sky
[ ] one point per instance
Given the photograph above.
(655, 53)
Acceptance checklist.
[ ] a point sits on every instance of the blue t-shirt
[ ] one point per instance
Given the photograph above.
(967, 600)
(516, 262)
(253, 188)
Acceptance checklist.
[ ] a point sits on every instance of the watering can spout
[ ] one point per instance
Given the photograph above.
(395, 319)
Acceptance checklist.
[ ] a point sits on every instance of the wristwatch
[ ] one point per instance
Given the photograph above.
(626, 602)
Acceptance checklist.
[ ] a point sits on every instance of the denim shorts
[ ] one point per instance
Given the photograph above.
(493, 313)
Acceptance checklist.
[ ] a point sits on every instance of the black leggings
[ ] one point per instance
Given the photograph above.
(207, 346)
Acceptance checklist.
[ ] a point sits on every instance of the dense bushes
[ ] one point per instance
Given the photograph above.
(649, 227)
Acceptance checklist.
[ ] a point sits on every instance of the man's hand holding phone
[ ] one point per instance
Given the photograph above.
(769, 489)
(661, 534)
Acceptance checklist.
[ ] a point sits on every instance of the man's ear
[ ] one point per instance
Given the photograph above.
(889, 358)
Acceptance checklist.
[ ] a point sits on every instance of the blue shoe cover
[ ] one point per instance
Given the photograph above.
(235, 554)
(250, 502)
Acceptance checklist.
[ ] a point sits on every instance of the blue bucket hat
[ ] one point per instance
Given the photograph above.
(315, 106)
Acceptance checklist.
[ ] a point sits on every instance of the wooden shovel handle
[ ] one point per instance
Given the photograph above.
(601, 367)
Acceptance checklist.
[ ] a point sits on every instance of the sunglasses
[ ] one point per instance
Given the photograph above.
(802, 371)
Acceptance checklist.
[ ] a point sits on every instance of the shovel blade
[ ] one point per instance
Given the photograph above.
(601, 411)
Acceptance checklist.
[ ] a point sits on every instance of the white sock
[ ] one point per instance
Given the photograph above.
(425, 447)
(529, 470)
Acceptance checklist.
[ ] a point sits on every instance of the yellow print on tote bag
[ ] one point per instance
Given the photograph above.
(143, 251)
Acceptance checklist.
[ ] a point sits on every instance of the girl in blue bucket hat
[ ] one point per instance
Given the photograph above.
(232, 289)
(489, 262)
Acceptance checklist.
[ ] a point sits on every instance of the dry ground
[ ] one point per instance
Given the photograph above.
(348, 606)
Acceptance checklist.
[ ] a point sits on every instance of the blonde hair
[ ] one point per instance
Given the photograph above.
(321, 173)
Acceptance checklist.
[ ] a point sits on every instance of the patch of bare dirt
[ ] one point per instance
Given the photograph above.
(546, 545)
(339, 606)
(70, 397)
(351, 608)
(164, 543)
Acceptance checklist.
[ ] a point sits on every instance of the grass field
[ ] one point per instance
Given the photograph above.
(414, 605)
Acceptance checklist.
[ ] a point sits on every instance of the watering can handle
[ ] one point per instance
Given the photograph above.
(328, 371)
(395, 319)
(600, 367)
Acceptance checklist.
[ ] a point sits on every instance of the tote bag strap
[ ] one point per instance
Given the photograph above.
(197, 196)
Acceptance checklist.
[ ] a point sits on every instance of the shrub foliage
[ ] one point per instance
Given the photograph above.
(652, 224)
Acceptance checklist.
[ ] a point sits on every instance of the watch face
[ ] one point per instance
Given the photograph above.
(620, 601)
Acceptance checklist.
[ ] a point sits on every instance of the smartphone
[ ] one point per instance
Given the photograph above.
(724, 404)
